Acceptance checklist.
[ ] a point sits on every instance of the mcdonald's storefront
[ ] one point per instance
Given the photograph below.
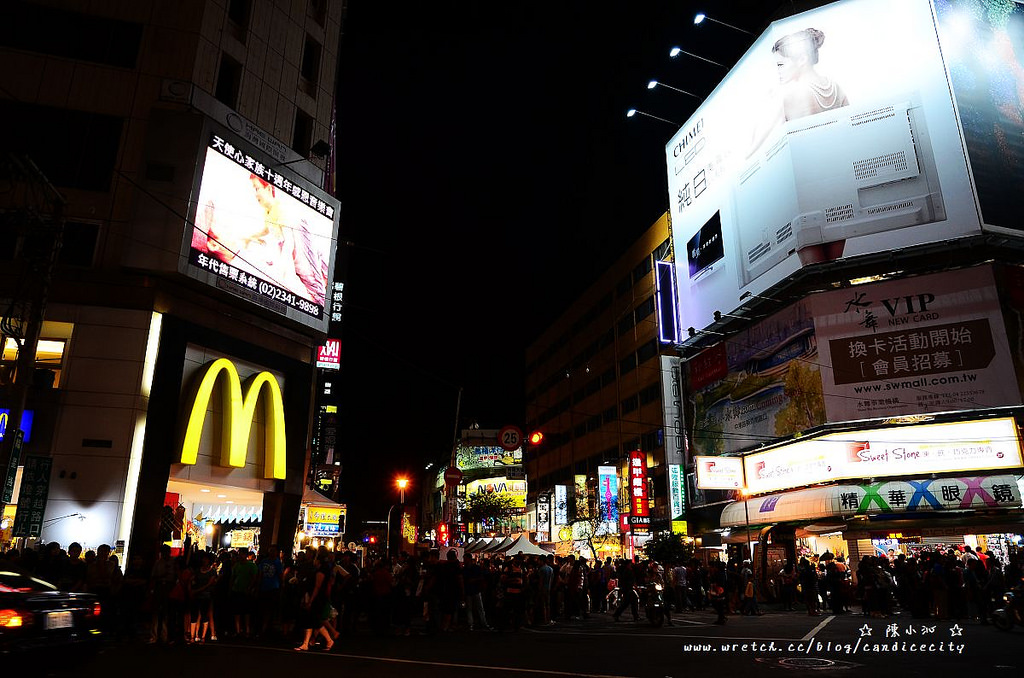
(169, 431)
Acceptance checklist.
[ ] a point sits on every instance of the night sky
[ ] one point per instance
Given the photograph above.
(488, 174)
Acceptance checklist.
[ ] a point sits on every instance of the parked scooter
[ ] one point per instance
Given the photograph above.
(1012, 611)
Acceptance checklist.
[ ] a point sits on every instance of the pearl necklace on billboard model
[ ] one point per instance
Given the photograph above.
(826, 95)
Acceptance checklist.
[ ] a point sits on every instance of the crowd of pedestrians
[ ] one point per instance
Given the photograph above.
(312, 598)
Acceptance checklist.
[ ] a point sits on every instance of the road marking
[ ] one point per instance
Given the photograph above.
(476, 667)
(654, 635)
(813, 632)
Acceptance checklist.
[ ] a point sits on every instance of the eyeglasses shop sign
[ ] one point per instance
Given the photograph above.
(880, 453)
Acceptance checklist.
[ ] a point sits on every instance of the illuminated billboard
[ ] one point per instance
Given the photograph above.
(513, 489)
(816, 147)
(260, 232)
(719, 473)
(982, 445)
(927, 343)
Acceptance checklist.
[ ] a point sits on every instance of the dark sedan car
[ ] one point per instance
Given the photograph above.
(35, 615)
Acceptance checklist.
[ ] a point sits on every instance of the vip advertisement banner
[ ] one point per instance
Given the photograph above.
(834, 136)
(932, 343)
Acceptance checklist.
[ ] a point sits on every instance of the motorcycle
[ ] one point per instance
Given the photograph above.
(654, 604)
(1012, 611)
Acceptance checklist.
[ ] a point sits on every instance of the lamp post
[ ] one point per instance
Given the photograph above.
(631, 112)
(701, 16)
(402, 483)
(676, 51)
(655, 83)
(745, 493)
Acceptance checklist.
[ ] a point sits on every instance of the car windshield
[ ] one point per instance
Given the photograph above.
(12, 582)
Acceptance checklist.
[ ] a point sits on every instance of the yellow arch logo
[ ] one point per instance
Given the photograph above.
(238, 413)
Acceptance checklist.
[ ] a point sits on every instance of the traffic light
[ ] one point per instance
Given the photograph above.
(373, 540)
(536, 438)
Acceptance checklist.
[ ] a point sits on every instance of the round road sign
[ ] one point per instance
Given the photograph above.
(510, 438)
(452, 476)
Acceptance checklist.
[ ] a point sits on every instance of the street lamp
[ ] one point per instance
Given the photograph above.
(676, 51)
(654, 83)
(745, 494)
(402, 484)
(632, 112)
(701, 16)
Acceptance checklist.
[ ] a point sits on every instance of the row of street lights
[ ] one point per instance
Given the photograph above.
(698, 19)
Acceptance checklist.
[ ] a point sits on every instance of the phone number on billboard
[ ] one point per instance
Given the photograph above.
(277, 294)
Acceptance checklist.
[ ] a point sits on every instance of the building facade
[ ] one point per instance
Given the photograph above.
(594, 389)
(175, 377)
(850, 275)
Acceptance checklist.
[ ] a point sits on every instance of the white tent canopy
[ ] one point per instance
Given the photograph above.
(524, 546)
(498, 547)
(479, 544)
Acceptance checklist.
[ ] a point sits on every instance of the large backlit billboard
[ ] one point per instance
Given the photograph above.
(834, 136)
(260, 232)
(958, 447)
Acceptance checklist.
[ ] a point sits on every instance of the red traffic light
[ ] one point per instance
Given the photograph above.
(373, 540)
(536, 438)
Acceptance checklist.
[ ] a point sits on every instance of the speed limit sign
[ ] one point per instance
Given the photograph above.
(510, 438)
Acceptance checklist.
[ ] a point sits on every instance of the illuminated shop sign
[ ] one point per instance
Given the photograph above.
(608, 495)
(260, 234)
(719, 473)
(561, 508)
(26, 423)
(238, 412)
(544, 517)
(676, 491)
(639, 509)
(883, 453)
(514, 489)
(324, 521)
(328, 356)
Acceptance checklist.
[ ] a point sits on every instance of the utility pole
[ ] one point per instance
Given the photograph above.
(34, 211)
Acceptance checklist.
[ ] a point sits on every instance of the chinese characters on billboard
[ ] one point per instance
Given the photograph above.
(262, 235)
(818, 145)
(930, 343)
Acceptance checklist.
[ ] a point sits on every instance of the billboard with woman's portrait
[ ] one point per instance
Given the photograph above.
(260, 232)
(834, 136)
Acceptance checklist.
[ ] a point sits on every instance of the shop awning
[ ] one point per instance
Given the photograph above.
(936, 495)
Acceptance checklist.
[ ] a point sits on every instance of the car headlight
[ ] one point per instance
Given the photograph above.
(658, 587)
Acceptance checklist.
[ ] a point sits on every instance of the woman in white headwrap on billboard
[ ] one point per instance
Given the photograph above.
(803, 90)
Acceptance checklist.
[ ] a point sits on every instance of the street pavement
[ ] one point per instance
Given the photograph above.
(791, 642)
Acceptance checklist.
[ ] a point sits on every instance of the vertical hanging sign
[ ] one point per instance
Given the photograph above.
(640, 514)
(12, 467)
(35, 487)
